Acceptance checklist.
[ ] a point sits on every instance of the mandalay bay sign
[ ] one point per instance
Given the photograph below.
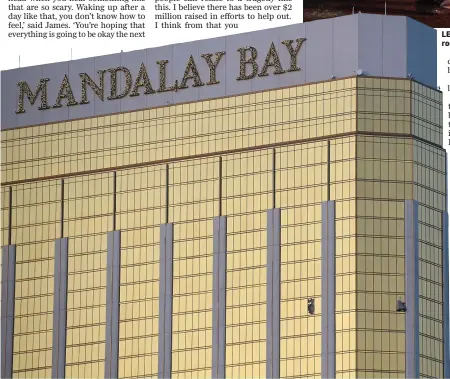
(142, 85)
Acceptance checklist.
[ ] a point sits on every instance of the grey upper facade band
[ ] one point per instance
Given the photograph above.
(374, 45)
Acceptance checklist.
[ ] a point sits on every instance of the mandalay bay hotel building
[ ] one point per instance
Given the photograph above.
(263, 205)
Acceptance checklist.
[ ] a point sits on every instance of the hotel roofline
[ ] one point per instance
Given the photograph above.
(316, 51)
(203, 39)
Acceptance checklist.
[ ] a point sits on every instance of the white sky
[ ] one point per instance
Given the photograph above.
(34, 52)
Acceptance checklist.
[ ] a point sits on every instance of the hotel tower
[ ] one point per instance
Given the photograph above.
(263, 205)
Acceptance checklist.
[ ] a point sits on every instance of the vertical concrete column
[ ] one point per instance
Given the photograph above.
(446, 294)
(273, 293)
(7, 311)
(112, 305)
(328, 289)
(219, 296)
(165, 302)
(60, 309)
(412, 287)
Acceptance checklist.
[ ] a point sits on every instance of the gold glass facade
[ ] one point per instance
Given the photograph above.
(366, 143)
(86, 209)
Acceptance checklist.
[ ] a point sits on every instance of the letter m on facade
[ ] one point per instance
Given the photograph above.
(41, 90)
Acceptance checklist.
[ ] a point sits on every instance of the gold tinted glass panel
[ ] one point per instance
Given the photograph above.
(246, 190)
(35, 215)
(140, 202)
(311, 130)
(88, 205)
(193, 191)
